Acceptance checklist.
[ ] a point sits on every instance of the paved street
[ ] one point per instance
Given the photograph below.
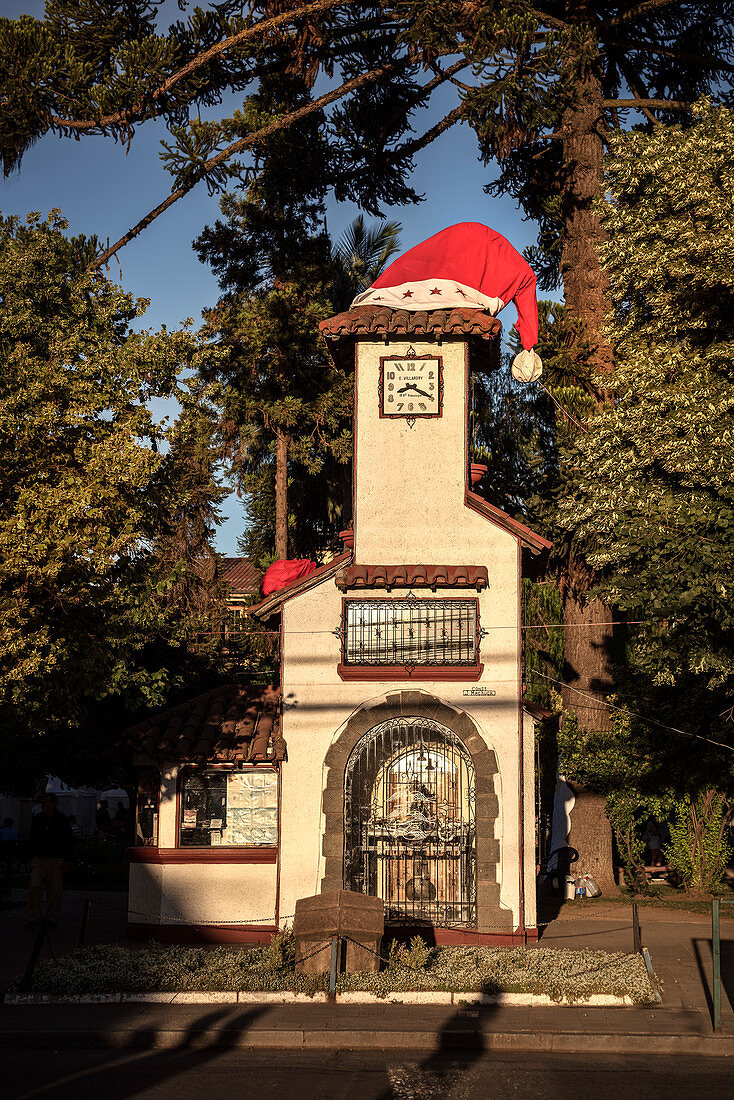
(214, 1073)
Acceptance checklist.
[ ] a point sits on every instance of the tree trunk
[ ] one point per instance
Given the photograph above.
(588, 668)
(281, 493)
(591, 836)
(585, 283)
(588, 643)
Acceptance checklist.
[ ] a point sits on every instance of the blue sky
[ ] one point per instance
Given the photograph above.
(103, 189)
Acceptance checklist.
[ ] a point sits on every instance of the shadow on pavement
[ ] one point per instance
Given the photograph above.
(460, 1044)
(142, 1063)
(703, 952)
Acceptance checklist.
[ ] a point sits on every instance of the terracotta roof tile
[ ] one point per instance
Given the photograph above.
(241, 575)
(232, 723)
(382, 321)
(413, 576)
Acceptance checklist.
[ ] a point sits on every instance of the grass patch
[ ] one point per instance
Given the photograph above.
(562, 974)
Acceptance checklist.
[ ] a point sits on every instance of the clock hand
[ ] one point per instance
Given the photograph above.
(423, 393)
(409, 386)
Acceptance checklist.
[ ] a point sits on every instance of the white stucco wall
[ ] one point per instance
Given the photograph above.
(191, 892)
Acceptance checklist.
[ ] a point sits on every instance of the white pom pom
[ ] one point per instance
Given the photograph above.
(527, 366)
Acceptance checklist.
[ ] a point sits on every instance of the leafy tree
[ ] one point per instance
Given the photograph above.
(86, 607)
(650, 492)
(647, 493)
(543, 84)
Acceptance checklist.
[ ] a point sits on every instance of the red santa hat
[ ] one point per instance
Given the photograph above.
(471, 266)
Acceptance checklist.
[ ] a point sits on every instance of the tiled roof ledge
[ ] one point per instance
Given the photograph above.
(412, 576)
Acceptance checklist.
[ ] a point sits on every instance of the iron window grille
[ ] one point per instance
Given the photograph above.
(410, 828)
(410, 632)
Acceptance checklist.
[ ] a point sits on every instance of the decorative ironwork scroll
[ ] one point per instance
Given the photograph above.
(410, 833)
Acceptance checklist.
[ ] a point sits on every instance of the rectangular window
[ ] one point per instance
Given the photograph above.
(410, 632)
(229, 809)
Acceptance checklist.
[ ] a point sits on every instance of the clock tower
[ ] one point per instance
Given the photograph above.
(411, 425)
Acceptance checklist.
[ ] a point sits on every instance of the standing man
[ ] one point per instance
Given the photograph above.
(51, 844)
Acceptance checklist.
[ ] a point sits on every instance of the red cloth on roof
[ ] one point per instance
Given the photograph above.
(468, 265)
(284, 571)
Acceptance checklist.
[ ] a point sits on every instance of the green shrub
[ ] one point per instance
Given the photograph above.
(699, 849)
(628, 811)
(281, 951)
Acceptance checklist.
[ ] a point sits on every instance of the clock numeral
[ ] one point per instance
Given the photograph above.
(431, 386)
(421, 405)
(390, 397)
(400, 405)
(430, 374)
(410, 406)
(391, 374)
(390, 386)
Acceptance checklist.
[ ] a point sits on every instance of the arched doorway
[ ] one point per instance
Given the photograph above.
(410, 830)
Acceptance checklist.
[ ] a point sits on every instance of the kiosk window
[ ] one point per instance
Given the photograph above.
(229, 809)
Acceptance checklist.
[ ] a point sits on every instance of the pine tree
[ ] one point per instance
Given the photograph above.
(285, 404)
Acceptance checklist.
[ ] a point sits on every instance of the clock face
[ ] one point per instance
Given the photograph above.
(411, 386)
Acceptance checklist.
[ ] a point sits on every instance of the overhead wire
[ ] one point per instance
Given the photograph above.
(625, 710)
(535, 626)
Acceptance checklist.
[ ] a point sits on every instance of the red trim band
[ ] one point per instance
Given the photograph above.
(202, 933)
(436, 673)
(202, 855)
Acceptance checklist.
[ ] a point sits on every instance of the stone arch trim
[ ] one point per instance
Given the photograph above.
(490, 918)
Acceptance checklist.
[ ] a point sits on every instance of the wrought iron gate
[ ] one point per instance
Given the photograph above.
(409, 823)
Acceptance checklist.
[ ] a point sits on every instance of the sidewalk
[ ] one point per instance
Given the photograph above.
(680, 945)
(107, 925)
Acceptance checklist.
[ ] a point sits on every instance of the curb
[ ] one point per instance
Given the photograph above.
(354, 997)
(285, 1038)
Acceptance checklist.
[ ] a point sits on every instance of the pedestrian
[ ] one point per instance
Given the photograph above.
(654, 842)
(76, 830)
(102, 819)
(51, 843)
(8, 842)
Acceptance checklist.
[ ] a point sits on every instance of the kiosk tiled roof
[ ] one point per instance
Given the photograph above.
(382, 321)
(233, 723)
